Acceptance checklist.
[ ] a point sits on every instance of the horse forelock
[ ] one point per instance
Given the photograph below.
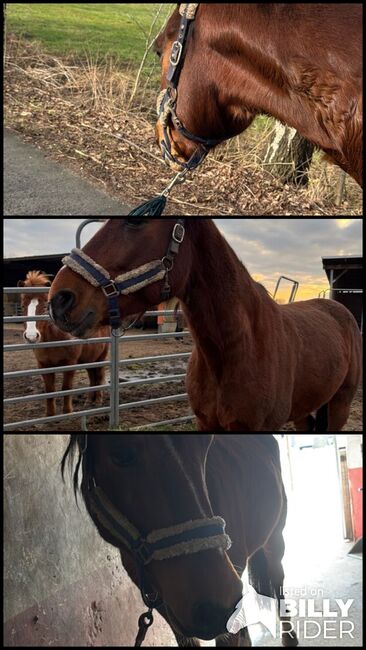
(36, 279)
(76, 441)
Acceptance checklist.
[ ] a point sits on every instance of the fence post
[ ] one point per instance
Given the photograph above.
(114, 379)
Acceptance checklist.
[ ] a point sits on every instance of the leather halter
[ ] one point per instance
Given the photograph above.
(167, 100)
(174, 541)
(133, 280)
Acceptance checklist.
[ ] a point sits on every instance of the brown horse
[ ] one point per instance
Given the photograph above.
(35, 304)
(152, 483)
(300, 63)
(256, 365)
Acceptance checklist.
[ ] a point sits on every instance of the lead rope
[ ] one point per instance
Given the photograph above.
(145, 622)
(155, 207)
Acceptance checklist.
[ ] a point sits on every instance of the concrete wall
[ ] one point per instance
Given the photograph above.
(63, 584)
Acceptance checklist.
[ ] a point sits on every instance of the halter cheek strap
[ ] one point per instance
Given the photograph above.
(168, 97)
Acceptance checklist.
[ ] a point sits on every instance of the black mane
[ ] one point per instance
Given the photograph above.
(76, 441)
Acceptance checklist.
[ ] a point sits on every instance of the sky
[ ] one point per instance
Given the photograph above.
(268, 247)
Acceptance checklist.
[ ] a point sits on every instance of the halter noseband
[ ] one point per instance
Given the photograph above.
(167, 100)
(174, 541)
(129, 282)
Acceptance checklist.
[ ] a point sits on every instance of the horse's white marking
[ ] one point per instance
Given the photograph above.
(31, 333)
(178, 459)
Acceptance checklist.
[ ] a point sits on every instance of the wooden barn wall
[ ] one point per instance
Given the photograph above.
(63, 585)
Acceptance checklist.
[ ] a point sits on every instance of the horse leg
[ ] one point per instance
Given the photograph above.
(204, 425)
(306, 424)
(49, 382)
(96, 378)
(339, 409)
(274, 552)
(67, 383)
(322, 419)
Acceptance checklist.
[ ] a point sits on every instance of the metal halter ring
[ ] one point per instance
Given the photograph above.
(168, 264)
(110, 290)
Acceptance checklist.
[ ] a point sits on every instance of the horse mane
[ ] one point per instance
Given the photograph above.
(76, 441)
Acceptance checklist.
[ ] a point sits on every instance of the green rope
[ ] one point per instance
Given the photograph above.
(153, 208)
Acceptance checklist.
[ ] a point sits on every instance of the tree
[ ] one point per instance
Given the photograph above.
(289, 155)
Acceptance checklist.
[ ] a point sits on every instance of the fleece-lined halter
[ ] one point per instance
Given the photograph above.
(133, 280)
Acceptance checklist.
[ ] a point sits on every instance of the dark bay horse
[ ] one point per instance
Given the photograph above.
(300, 63)
(256, 365)
(35, 304)
(160, 484)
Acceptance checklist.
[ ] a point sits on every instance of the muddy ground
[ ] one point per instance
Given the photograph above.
(142, 416)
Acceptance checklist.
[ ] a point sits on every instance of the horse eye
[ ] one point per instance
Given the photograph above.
(125, 457)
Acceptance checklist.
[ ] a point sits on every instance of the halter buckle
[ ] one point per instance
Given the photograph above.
(176, 53)
(179, 233)
(143, 552)
(110, 290)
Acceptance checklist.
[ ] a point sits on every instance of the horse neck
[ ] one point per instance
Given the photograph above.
(261, 38)
(221, 301)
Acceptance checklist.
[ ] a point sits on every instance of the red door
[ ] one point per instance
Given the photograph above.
(354, 458)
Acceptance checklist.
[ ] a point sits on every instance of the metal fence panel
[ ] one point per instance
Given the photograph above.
(115, 364)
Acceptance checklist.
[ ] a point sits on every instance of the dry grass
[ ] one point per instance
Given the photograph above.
(78, 112)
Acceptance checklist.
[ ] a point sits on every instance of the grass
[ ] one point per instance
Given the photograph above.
(95, 28)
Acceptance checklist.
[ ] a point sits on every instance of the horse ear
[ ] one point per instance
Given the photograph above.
(20, 283)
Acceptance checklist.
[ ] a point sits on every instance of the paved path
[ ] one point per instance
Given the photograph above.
(37, 186)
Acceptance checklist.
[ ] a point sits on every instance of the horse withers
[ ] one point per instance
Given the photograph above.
(35, 304)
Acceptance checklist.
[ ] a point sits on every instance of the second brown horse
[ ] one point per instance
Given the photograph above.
(35, 304)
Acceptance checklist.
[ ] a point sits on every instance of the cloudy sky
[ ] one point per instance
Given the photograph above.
(268, 247)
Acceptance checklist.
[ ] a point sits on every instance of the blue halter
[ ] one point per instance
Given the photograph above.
(129, 282)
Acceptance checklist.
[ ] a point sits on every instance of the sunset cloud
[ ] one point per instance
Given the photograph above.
(268, 247)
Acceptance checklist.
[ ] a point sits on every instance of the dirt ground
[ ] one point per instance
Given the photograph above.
(136, 417)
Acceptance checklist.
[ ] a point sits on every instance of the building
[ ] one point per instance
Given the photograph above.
(345, 279)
